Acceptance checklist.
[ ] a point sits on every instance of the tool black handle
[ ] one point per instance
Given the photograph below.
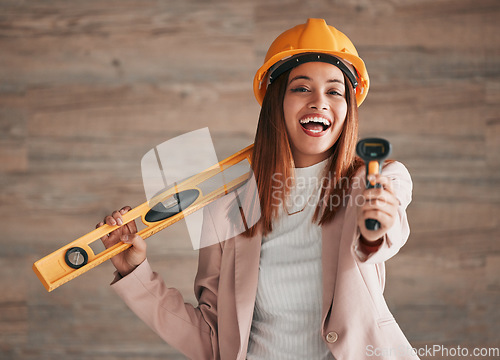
(372, 224)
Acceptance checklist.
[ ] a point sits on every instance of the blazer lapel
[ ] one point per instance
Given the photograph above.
(247, 258)
(330, 234)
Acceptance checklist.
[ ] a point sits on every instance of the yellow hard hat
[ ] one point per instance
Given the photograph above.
(312, 41)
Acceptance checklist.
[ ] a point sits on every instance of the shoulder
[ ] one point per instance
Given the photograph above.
(233, 213)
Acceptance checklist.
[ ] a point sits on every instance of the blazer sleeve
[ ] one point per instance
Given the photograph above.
(191, 330)
(398, 234)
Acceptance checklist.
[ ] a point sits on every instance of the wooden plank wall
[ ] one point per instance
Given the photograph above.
(88, 87)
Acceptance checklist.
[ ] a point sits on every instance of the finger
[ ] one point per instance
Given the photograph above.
(379, 197)
(386, 200)
(99, 225)
(105, 237)
(118, 217)
(380, 194)
(128, 238)
(138, 243)
(383, 182)
(385, 219)
(110, 220)
(115, 234)
(125, 210)
(381, 202)
(137, 252)
(131, 226)
(373, 212)
(134, 239)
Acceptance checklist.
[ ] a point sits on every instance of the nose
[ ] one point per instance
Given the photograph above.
(318, 101)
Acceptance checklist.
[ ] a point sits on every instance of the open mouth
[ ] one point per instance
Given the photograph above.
(315, 124)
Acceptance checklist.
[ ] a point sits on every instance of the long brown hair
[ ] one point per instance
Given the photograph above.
(272, 161)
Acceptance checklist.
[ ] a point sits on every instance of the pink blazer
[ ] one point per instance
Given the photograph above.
(356, 322)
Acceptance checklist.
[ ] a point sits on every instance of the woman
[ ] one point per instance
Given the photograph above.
(307, 281)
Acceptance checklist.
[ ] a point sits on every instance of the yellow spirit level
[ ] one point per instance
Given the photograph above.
(186, 197)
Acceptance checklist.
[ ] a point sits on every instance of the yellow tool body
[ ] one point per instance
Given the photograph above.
(53, 270)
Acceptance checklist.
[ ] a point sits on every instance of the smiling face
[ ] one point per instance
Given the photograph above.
(315, 109)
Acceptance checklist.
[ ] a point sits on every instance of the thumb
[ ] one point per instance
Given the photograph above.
(135, 240)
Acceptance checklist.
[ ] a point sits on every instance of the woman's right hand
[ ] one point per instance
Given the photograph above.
(128, 260)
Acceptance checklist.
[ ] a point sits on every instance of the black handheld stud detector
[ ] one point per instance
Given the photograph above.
(373, 151)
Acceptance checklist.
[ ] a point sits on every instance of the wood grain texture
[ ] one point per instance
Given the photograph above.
(88, 87)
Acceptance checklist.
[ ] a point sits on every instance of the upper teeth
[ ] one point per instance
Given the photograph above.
(320, 120)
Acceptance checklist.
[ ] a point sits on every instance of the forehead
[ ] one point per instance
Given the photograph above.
(317, 71)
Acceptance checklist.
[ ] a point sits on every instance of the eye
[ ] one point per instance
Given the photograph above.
(299, 89)
(335, 92)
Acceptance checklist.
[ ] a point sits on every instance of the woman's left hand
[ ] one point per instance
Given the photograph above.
(380, 204)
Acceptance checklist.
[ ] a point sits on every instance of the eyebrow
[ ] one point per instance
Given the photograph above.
(303, 77)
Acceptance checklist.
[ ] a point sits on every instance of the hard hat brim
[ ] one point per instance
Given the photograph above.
(260, 79)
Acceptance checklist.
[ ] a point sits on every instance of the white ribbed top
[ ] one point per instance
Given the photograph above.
(287, 315)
